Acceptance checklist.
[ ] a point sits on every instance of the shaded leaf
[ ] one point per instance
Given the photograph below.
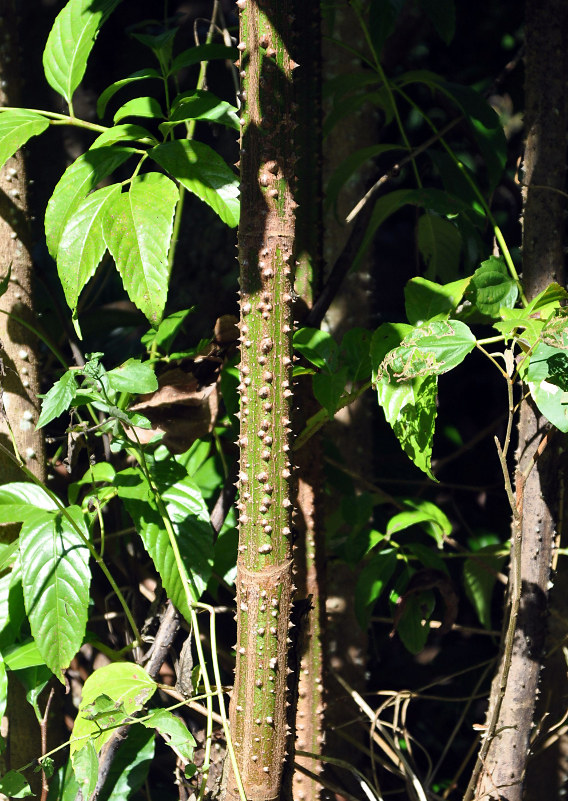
(201, 105)
(354, 352)
(16, 128)
(110, 91)
(442, 15)
(439, 242)
(13, 785)
(130, 766)
(349, 167)
(204, 173)
(479, 578)
(58, 399)
(86, 768)
(137, 230)
(491, 287)
(127, 132)
(70, 42)
(127, 685)
(410, 626)
(82, 244)
(206, 52)
(328, 389)
(372, 582)
(55, 578)
(318, 347)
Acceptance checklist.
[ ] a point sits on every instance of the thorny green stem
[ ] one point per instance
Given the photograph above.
(16, 458)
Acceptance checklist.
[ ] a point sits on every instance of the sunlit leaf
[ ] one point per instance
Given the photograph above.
(58, 399)
(16, 128)
(110, 91)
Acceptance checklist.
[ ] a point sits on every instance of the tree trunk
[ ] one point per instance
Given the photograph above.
(19, 378)
(266, 256)
(504, 753)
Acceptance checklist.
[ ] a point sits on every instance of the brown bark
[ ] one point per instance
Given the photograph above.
(502, 774)
(19, 379)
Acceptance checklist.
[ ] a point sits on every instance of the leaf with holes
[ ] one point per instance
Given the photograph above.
(82, 243)
(128, 687)
(432, 348)
(16, 128)
(204, 173)
(137, 229)
(548, 382)
(70, 42)
(77, 181)
(56, 578)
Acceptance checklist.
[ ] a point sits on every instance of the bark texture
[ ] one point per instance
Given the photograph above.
(266, 255)
(502, 775)
(19, 379)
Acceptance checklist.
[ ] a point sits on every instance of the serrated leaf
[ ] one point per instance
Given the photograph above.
(55, 578)
(173, 730)
(133, 376)
(13, 785)
(127, 132)
(479, 577)
(548, 382)
(425, 299)
(410, 410)
(190, 519)
(137, 229)
(16, 128)
(70, 42)
(110, 91)
(491, 287)
(204, 173)
(82, 245)
(429, 349)
(206, 52)
(439, 243)
(58, 399)
(75, 184)
(372, 582)
(126, 684)
(318, 347)
(140, 107)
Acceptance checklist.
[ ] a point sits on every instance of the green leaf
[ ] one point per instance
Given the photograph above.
(134, 377)
(13, 785)
(130, 766)
(318, 347)
(126, 684)
(354, 353)
(140, 107)
(442, 15)
(204, 173)
(86, 768)
(410, 628)
(128, 132)
(63, 786)
(424, 512)
(439, 243)
(34, 680)
(22, 656)
(190, 519)
(82, 244)
(386, 338)
(75, 184)
(555, 331)
(434, 199)
(383, 15)
(491, 287)
(425, 299)
(19, 497)
(429, 349)
(201, 105)
(110, 91)
(548, 383)
(5, 282)
(16, 128)
(70, 42)
(173, 730)
(206, 52)
(58, 399)
(8, 554)
(410, 410)
(137, 230)
(55, 578)
(328, 389)
(373, 581)
(479, 577)
(164, 335)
